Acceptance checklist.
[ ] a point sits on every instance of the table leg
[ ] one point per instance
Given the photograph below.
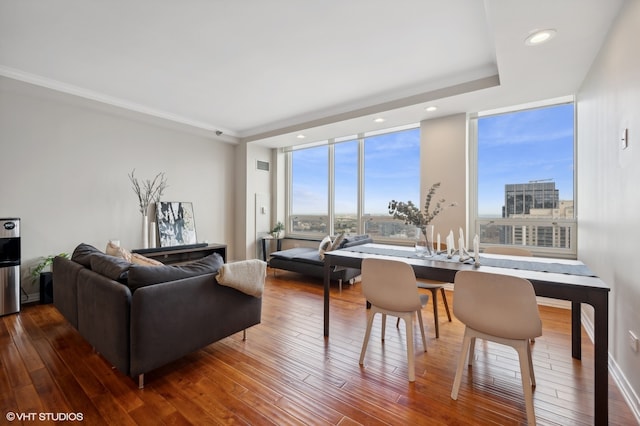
(434, 296)
(264, 249)
(327, 282)
(576, 331)
(601, 358)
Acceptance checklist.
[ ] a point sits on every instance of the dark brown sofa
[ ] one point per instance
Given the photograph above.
(139, 323)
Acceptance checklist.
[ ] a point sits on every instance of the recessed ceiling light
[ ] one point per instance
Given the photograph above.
(431, 108)
(540, 36)
(300, 136)
(379, 120)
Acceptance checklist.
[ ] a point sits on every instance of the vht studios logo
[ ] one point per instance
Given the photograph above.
(45, 417)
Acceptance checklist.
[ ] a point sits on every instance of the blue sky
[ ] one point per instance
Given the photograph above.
(392, 164)
(517, 147)
(523, 146)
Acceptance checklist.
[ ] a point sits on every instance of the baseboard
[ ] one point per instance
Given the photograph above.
(554, 303)
(31, 298)
(618, 376)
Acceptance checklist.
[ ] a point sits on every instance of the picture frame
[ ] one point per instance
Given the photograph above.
(176, 223)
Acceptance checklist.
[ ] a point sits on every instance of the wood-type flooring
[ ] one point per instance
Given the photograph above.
(287, 373)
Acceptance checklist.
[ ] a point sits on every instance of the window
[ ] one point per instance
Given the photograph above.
(309, 190)
(391, 172)
(346, 187)
(525, 178)
(367, 173)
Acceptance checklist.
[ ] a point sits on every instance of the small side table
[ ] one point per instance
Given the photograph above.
(264, 245)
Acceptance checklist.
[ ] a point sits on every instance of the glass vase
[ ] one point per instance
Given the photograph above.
(424, 241)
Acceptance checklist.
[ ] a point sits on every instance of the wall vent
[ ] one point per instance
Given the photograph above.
(262, 165)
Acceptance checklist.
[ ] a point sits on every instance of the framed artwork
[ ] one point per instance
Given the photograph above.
(176, 225)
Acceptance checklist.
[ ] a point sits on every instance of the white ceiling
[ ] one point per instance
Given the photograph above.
(264, 71)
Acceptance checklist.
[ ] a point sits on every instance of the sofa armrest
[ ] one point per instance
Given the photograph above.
(172, 319)
(103, 316)
(65, 289)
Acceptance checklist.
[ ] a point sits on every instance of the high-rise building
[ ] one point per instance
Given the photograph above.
(521, 198)
(532, 202)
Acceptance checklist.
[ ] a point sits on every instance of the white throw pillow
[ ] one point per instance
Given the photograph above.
(117, 251)
(139, 259)
(325, 245)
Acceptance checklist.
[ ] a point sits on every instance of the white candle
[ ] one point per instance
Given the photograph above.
(451, 246)
(438, 248)
(152, 235)
(461, 239)
(461, 247)
(431, 236)
(476, 246)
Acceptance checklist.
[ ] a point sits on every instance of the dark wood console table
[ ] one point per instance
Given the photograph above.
(177, 255)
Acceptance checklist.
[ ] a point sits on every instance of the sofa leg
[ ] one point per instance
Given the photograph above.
(140, 381)
(340, 284)
(244, 334)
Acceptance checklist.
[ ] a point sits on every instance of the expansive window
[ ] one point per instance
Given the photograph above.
(346, 186)
(392, 172)
(309, 190)
(525, 178)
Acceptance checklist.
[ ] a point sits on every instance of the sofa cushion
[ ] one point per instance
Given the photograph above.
(325, 245)
(290, 254)
(141, 276)
(355, 240)
(337, 242)
(310, 256)
(82, 254)
(112, 267)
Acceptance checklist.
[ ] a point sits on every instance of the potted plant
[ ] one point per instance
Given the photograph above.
(45, 262)
(278, 230)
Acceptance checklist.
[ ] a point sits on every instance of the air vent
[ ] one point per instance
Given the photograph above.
(262, 165)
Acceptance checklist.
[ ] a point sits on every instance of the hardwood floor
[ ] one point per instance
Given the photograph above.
(287, 373)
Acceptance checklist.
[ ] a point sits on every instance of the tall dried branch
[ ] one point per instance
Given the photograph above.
(412, 215)
(149, 191)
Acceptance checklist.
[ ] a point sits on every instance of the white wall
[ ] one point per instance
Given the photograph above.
(255, 182)
(63, 170)
(608, 203)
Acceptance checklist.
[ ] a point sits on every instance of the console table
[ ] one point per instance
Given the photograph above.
(264, 245)
(178, 254)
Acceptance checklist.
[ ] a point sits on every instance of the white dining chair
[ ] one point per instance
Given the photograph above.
(510, 251)
(499, 308)
(390, 287)
(434, 287)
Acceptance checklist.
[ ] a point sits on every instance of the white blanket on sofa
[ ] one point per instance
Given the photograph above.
(246, 276)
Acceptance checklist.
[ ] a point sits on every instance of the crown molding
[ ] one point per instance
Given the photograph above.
(200, 127)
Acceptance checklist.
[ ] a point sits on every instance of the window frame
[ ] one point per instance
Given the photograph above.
(475, 221)
(330, 144)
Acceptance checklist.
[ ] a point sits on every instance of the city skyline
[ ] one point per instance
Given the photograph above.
(521, 147)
